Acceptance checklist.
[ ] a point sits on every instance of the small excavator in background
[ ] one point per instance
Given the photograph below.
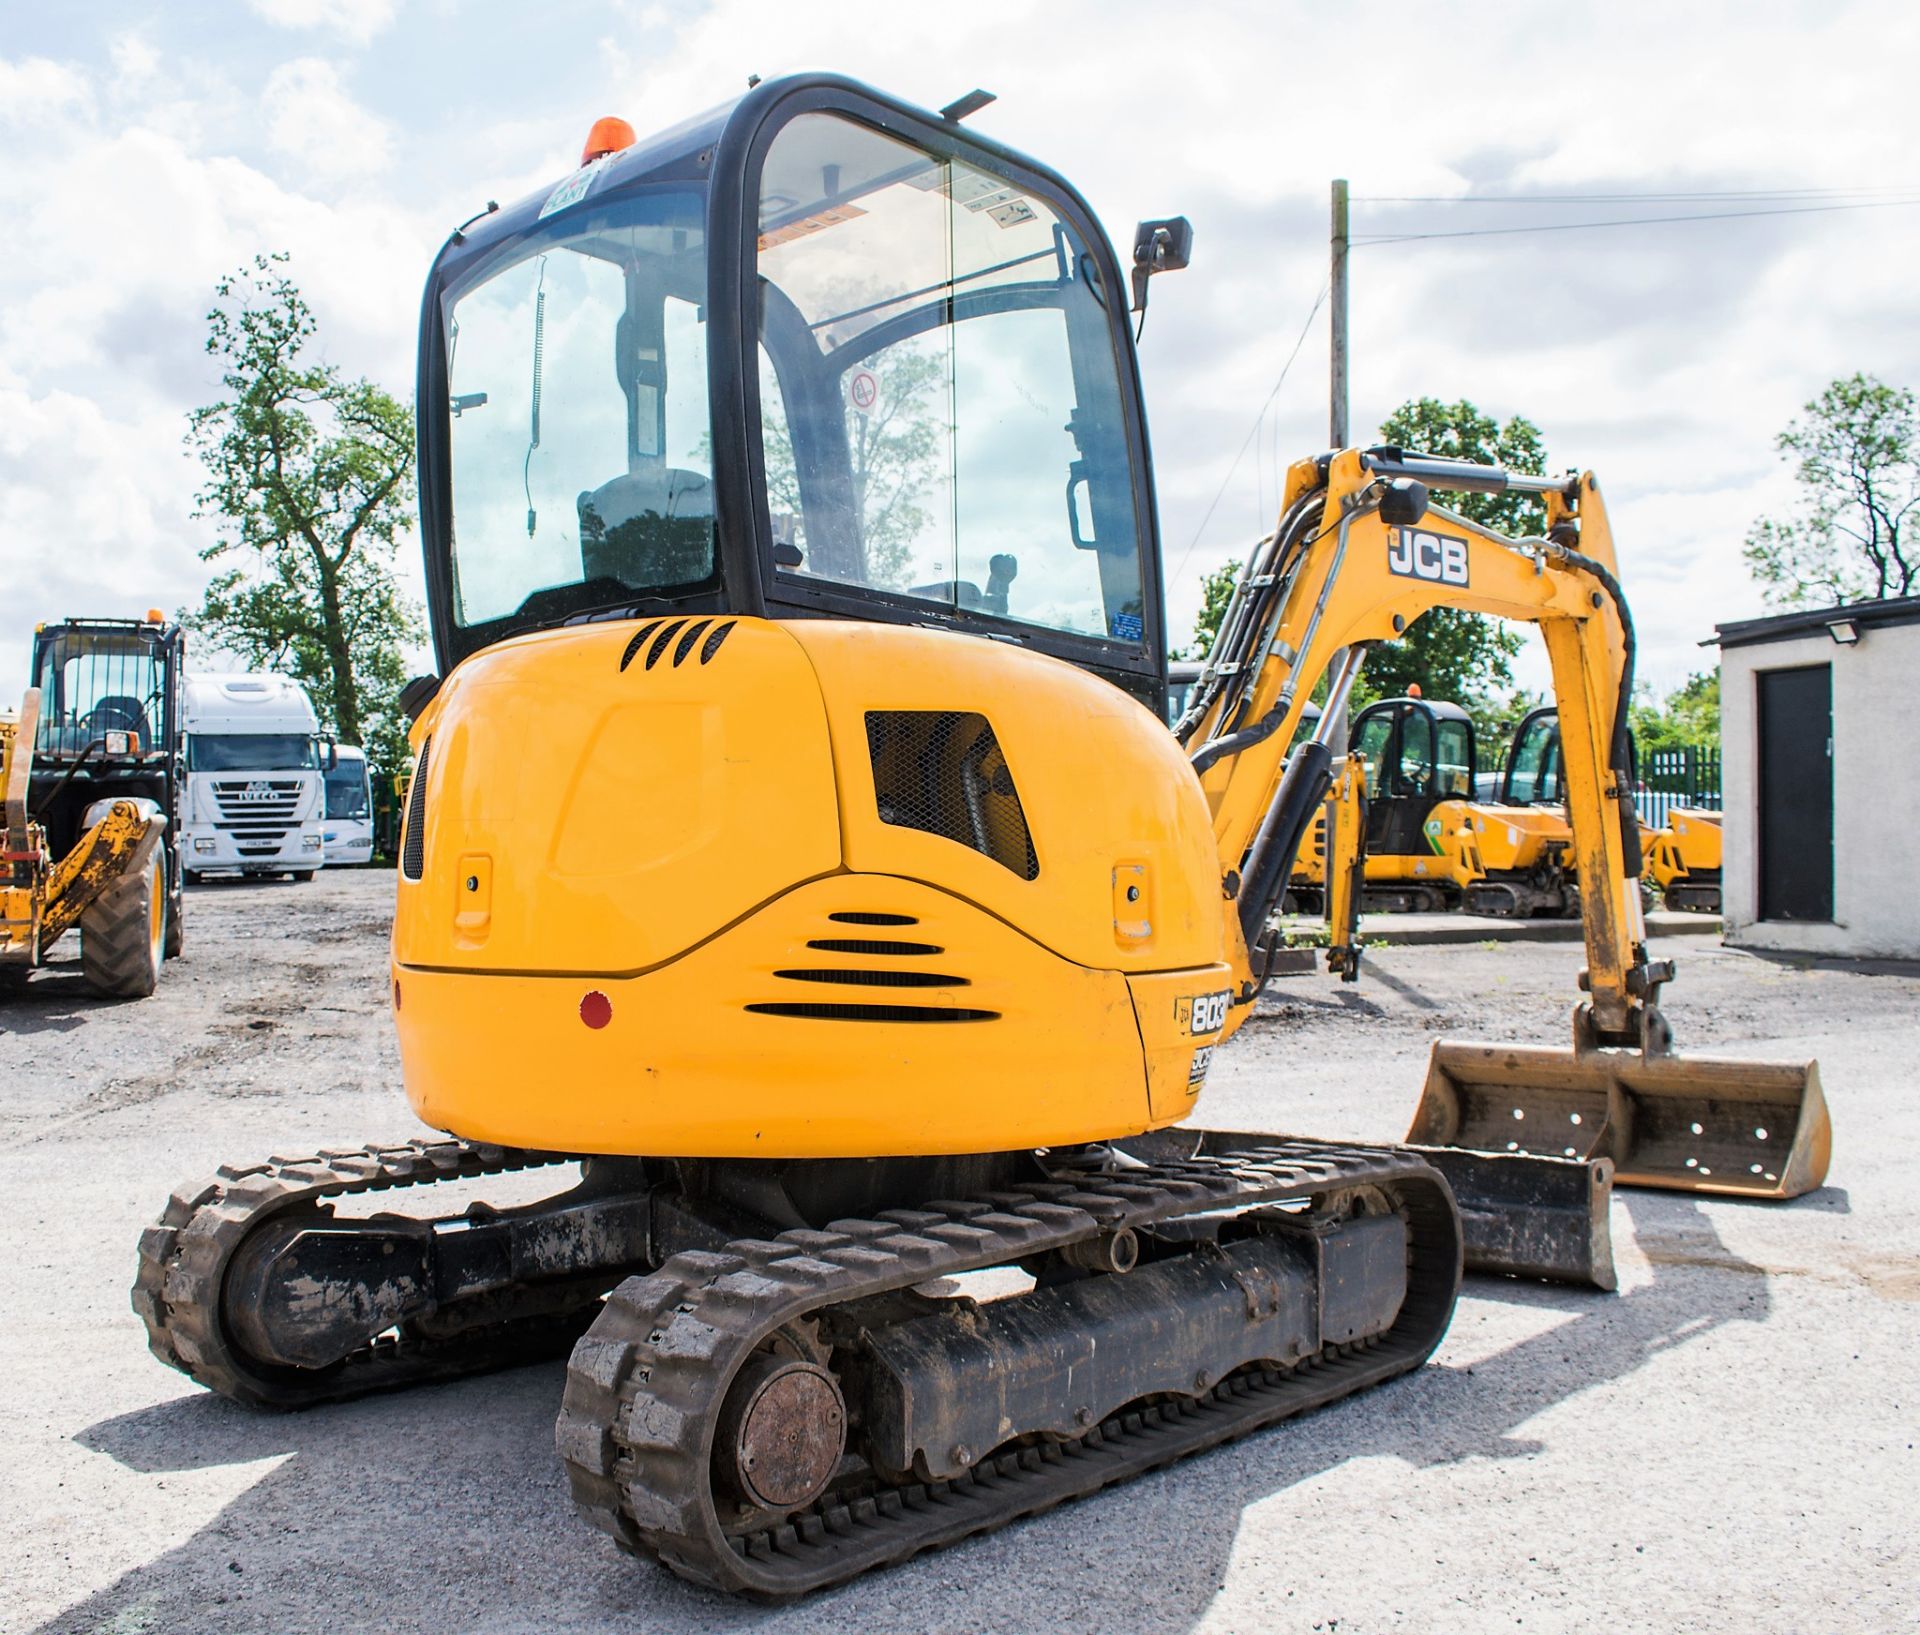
(1433, 843)
(90, 769)
(798, 858)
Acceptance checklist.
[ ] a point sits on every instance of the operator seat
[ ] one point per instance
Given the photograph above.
(119, 712)
(648, 528)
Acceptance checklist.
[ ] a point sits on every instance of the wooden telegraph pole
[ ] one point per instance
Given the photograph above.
(1337, 395)
(1337, 428)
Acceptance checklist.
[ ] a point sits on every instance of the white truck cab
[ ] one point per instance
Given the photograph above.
(349, 832)
(255, 799)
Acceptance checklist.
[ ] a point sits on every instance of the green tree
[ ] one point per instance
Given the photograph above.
(1688, 718)
(1856, 456)
(894, 449)
(311, 478)
(1216, 591)
(1450, 654)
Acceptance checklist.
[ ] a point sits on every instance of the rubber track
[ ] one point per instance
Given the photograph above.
(645, 1383)
(184, 1259)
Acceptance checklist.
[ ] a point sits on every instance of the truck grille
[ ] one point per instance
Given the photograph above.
(254, 801)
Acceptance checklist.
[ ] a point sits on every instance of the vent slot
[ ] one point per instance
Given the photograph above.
(413, 850)
(639, 637)
(660, 642)
(942, 772)
(851, 918)
(862, 945)
(821, 1011)
(712, 644)
(684, 645)
(877, 979)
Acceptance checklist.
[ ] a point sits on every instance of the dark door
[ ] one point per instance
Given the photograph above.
(1796, 793)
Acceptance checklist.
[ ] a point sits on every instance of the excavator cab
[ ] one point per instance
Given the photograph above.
(813, 354)
(1417, 754)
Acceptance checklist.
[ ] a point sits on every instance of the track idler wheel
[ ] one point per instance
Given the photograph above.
(781, 1432)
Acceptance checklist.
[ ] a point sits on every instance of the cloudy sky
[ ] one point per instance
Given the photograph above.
(146, 148)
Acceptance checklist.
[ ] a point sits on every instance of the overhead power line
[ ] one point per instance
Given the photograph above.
(1633, 221)
(1252, 431)
(1696, 196)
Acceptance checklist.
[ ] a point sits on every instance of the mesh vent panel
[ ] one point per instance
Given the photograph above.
(942, 772)
(413, 851)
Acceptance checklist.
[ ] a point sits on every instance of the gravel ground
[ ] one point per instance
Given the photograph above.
(1726, 1444)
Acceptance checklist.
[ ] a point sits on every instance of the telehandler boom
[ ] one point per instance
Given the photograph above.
(794, 845)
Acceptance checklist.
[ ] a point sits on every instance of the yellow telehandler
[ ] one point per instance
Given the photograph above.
(795, 846)
(90, 768)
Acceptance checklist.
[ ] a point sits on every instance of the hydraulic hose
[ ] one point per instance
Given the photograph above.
(1620, 750)
(1303, 786)
(1270, 723)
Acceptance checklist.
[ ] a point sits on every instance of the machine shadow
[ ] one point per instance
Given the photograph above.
(55, 999)
(445, 1508)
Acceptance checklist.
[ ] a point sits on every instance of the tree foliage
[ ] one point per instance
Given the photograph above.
(1856, 454)
(1688, 718)
(1216, 591)
(311, 478)
(1463, 657)
(894, 450)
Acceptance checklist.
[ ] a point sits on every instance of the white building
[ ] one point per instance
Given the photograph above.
(1820, 745)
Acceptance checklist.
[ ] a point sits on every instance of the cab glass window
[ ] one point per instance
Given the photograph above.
(577, 394)
(93, 684)
(1415, 765)
(941, 410)
(1453, 768)
(1535, 775)
(1371, 745)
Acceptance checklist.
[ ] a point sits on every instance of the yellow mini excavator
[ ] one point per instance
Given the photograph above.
(1432, 842)
(794, 851)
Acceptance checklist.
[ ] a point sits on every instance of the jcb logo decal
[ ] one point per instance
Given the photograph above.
(1419, 553)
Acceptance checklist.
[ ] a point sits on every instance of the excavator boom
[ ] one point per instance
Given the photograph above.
(1361, 552)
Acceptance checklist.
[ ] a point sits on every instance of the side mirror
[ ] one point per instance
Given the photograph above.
(1159, 246)
(332, 757)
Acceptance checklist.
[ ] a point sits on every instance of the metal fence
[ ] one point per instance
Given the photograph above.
(1677, 777)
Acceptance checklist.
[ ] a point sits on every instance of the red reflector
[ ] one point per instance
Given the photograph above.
(596, 1010)
(396, 993)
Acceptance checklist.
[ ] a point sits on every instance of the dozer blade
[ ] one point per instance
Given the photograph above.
(1521, 1214)
(1691, 1124)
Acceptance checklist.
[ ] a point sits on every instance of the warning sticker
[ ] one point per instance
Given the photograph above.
(978, 191)
(571, 191)
(818, 222)
(863, 390)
